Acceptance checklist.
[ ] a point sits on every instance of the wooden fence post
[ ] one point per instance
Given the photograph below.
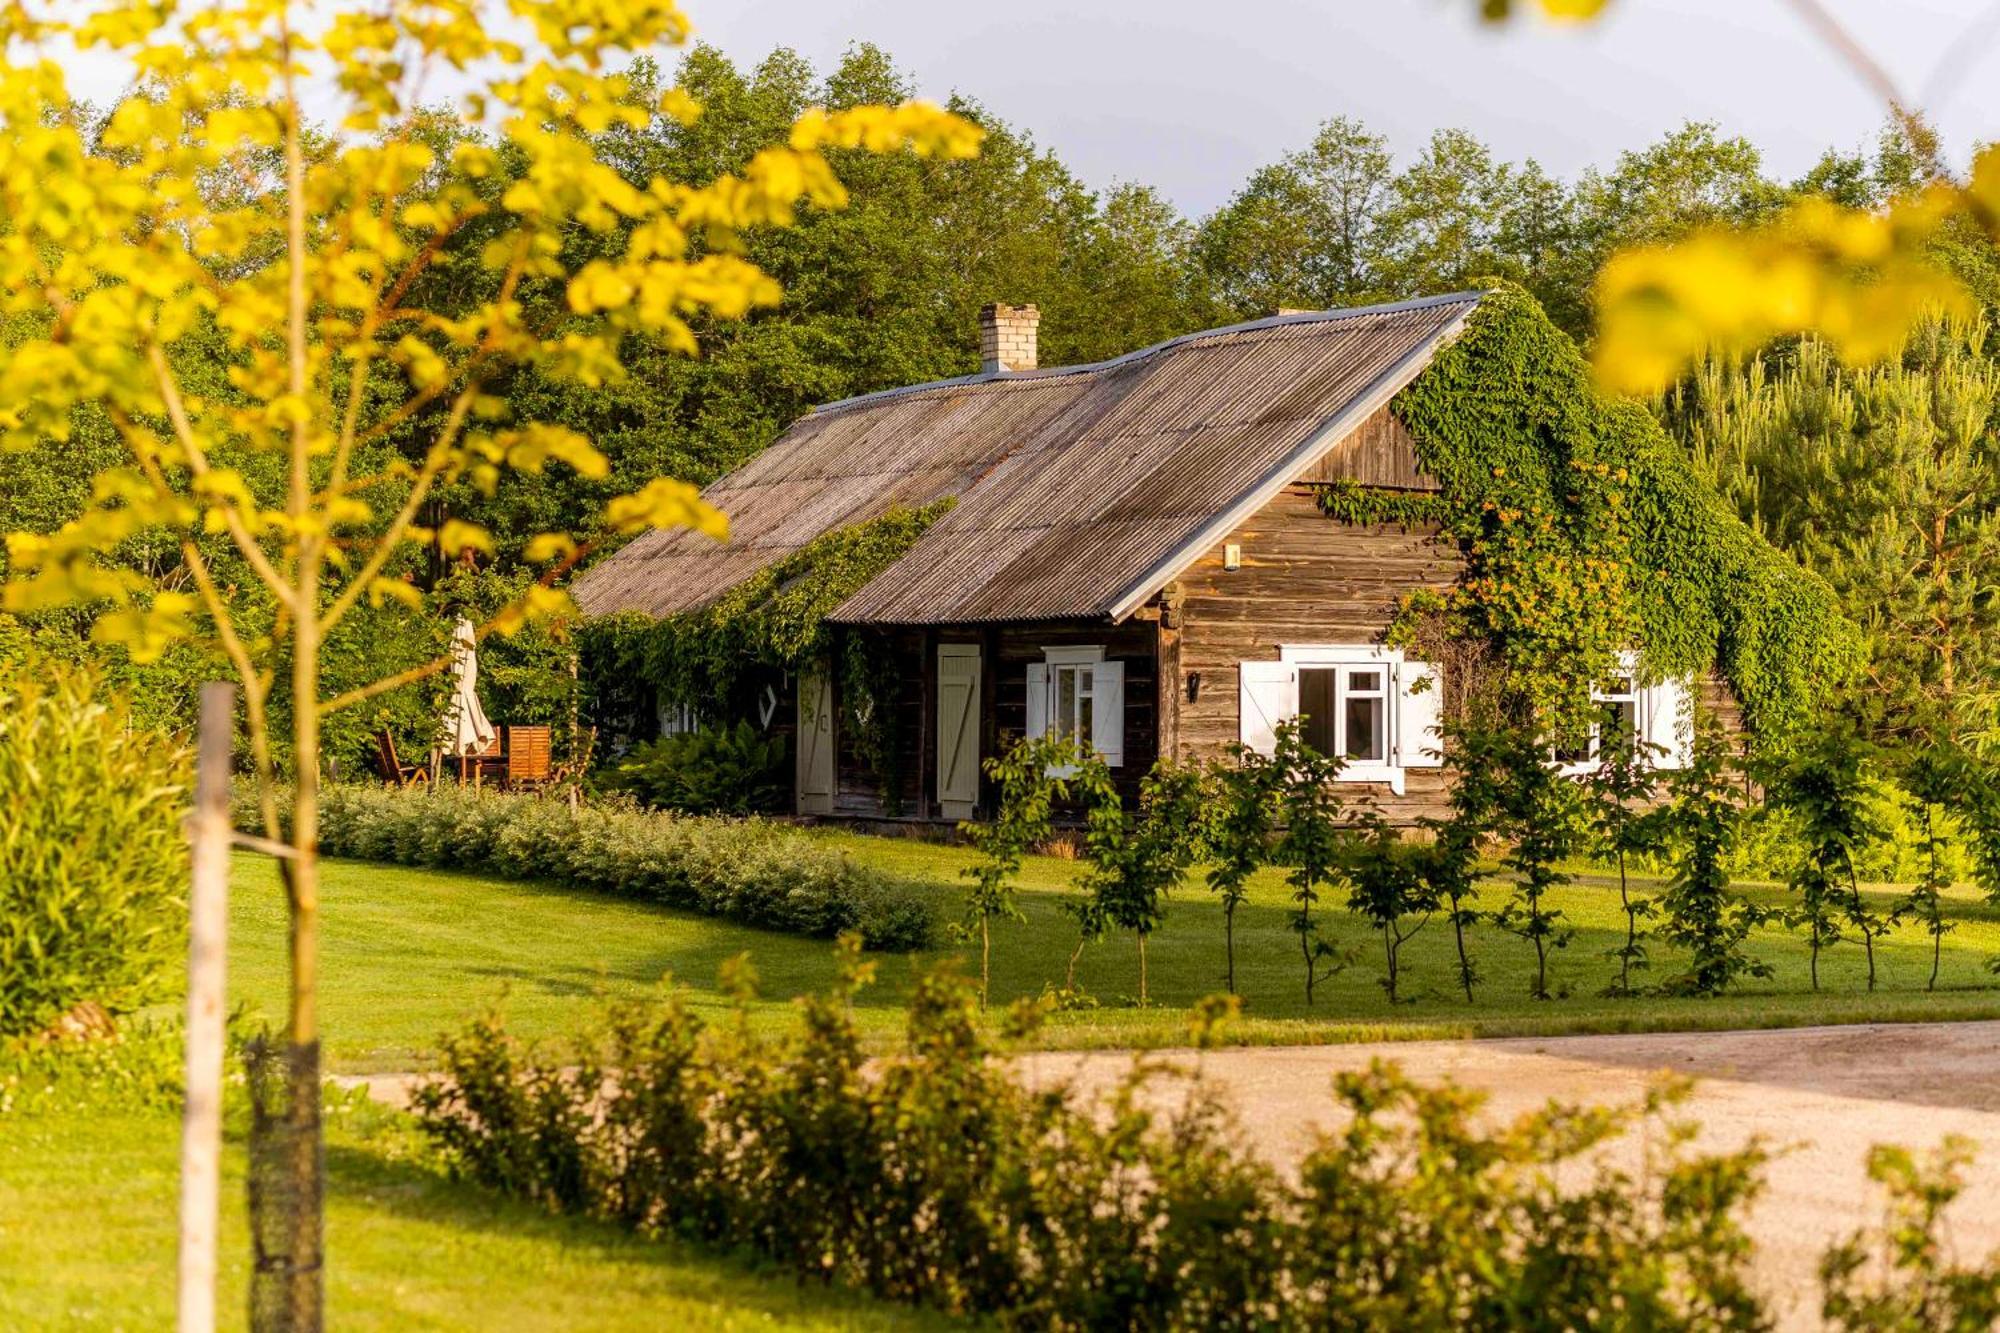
(208, 926)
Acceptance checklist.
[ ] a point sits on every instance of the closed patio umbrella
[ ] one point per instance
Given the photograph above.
(466, 730)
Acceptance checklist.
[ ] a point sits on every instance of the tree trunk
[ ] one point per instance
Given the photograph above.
(1861, 920)
(288, 1166)
(208, 927)
(1229, 945)
(1631, 929)
(985, 955)
(1305, 947)
(1389, 956)
(1464, 963)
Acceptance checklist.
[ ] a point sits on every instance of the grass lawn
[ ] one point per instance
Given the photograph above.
(411, 953)
(87, 1235)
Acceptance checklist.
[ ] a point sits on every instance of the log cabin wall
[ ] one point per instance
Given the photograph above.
(1006, 653)
(1304, 579)
(858, 792)
(1013, 647)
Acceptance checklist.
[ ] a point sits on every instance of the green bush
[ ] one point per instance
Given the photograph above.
(92, 860)
(745, 870)
(718, 770)
(934, 1176)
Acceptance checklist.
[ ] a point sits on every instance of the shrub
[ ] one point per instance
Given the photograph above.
(744, 870)
(717, 770)
(92, 861)
(1903, 1275)
(936, 1177)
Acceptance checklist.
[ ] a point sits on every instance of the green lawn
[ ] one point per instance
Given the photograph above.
(411, 953)
(87, 1236)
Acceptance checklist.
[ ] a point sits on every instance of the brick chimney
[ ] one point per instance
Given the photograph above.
(1007, 337)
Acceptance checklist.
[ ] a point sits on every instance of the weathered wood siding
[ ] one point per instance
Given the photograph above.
(1305, 578)
(1006, 652)
(1381, 453)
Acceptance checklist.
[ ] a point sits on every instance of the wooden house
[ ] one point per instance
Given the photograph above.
(1136, 554)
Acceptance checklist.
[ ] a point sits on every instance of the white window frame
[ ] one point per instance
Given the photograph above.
(1060, 658)
(1341, 657)
(1651, 724)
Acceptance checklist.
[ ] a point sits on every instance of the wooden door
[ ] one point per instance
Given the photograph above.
(958, 695)
(815, 745)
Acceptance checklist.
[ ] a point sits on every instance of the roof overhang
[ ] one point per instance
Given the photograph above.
(1336, 428)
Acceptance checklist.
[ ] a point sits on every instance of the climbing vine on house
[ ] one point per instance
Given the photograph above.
(1588, 532)
(715, 657)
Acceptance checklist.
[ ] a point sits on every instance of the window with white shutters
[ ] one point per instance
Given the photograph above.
(1361, 703)
(1076, 692)
(1627, 711)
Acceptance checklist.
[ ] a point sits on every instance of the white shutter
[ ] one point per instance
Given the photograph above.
(1038, 699)
(1419, 713)
(958, 727)
(1267, 694)
(1668, 722)
(1107, 712)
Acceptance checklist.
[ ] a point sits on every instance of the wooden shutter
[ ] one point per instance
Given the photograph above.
(1107, 712)
(958, 671)
(1268, 693)
(1666, 720)
(1419, 713)
(815, 744)
(1038, 699)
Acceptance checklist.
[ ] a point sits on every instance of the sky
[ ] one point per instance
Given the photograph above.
(1192, 95)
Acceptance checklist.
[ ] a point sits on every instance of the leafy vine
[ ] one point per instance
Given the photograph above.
(715, 656)
(1588, 531)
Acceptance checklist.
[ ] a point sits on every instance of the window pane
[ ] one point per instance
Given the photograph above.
(1367, 729)
(1365, 682)
(1065, 719)
(1621, 724)
(1316, 703)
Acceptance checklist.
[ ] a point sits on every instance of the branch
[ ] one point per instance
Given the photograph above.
(246, 543)
(392, 536)
(425, 670)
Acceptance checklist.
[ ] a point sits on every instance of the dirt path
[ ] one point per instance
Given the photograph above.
(1826, 1094)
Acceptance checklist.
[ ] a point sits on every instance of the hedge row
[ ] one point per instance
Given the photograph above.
(749, 871)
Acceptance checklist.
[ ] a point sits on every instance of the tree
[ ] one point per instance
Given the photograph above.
(1446, 214)
(1308, 230)
(1387, 884)
(1029, 782)
(1822, 781)
(1886, 481)
(1312, 844)
(1699, 913)
(1924, 902)
(1137, 856)
(1240, 823)
(353, 382)
(1618, 807)
(1541, 818)
(1476, 754)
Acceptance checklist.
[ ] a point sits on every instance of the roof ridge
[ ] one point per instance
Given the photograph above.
(1166, 344)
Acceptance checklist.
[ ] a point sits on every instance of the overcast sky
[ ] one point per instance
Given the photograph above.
(1191, 95)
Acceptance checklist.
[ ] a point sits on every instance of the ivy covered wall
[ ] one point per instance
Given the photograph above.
(715, 657)
(1590, 531)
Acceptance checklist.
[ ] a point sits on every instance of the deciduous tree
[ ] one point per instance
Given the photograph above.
(209, 208)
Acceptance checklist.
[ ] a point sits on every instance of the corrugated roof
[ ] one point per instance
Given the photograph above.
(1081, 490)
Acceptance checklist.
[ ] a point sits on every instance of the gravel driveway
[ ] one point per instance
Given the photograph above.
(1827, 1094)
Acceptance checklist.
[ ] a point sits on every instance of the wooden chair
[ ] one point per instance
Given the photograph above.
(527, 756)
(394, 771)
